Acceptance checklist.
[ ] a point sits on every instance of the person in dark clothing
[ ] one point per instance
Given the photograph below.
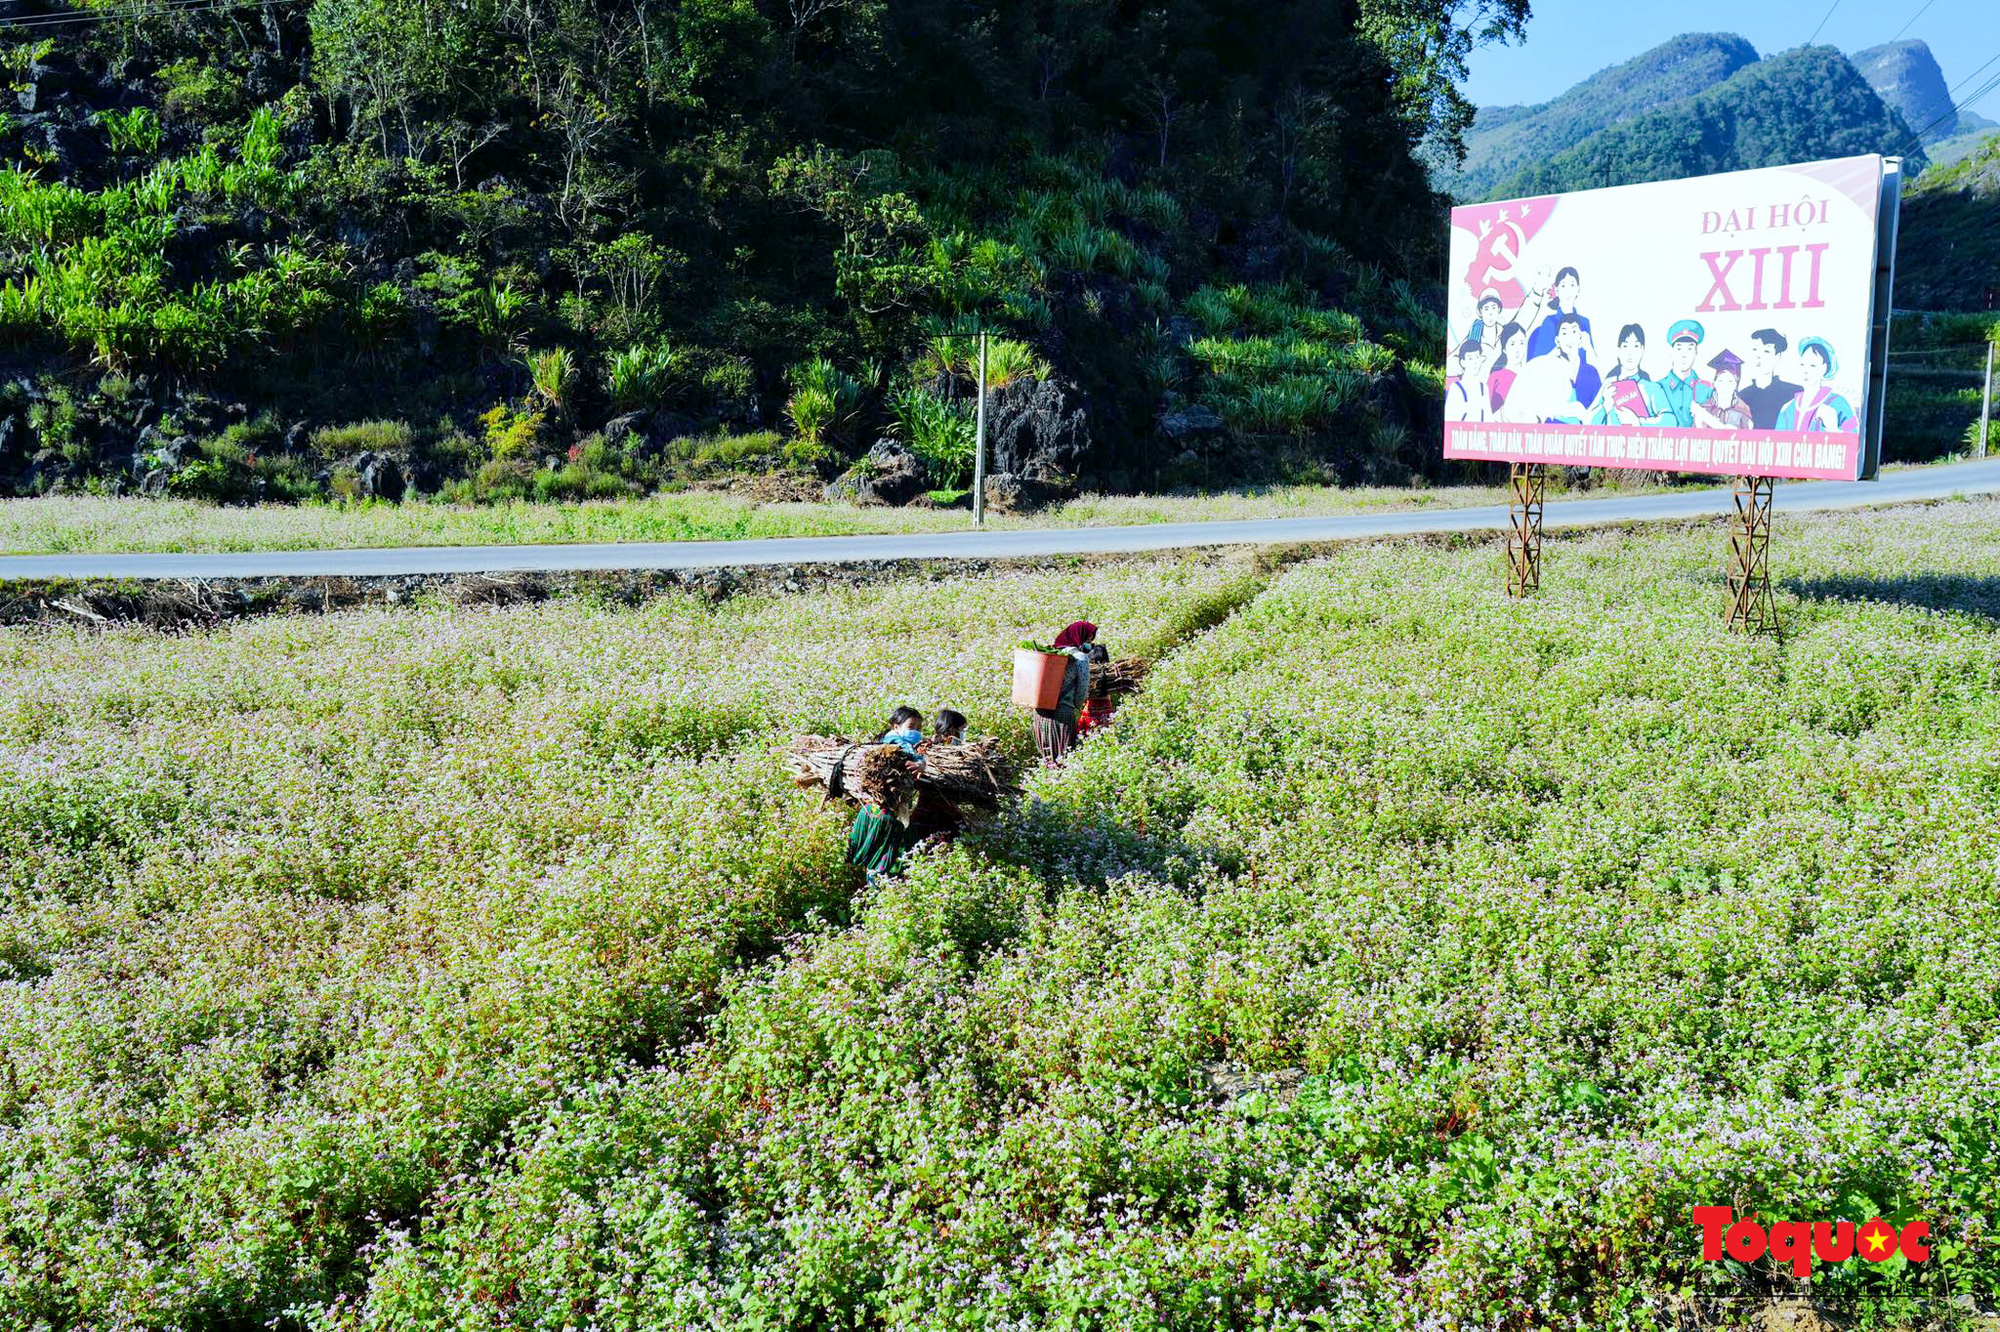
(936, 817)
(1761, 390)
(1097, 706)
(950, 727)
(876, 841)
(1055, 728)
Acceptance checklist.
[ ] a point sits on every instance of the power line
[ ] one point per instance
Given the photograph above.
(1957, 107)
(1991, 84)
(139, 11)
(1822, 23)
(37, 22)
(1913, 18)
(1951, 109)
(1972, 97)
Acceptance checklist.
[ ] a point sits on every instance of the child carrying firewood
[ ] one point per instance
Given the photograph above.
(950, 728)
(937, 816)
(880, 833)
(905, 730)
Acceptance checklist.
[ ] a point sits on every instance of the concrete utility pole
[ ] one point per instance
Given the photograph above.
(979, 445)
(1986, 400)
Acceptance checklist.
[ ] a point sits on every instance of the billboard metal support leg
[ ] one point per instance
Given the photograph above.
(1751, 609)
(1529, 484)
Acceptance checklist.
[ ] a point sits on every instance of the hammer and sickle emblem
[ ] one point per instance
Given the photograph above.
(1506, 252)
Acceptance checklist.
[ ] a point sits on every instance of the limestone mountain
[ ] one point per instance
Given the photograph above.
(1508, 142)
(1505, 139)
(1906, 76)
(1804, 104)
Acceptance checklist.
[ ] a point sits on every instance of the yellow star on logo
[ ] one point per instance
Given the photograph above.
(1875, 1239)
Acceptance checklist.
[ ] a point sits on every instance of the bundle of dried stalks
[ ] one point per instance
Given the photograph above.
(975, 773)
(1115, 679)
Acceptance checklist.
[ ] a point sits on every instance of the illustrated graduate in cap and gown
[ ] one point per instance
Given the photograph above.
(1724, 410)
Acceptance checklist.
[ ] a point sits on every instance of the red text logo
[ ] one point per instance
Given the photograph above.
(1724, 1234)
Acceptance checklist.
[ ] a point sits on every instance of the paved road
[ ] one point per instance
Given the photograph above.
(1927, 483)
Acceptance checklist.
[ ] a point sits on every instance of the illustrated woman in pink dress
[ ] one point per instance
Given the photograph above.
(1501, 374)
(1816, 407)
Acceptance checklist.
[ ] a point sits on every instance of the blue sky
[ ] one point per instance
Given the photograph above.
(1569, 40)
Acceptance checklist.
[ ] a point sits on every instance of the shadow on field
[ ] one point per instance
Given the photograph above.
(1967, 594)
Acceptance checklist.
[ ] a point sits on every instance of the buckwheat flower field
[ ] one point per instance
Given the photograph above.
(1403, 957)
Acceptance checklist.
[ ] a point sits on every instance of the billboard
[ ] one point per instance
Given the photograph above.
(1725, 324)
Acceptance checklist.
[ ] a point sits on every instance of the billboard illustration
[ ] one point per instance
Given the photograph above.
(1720, 324)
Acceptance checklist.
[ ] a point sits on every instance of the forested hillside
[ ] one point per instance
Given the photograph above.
(1506, 143)
(1948, 253)
(536, 247)
(1974, 133)
(1797, 107)
(1505, 139)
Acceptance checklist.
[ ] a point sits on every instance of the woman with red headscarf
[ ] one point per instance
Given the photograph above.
(1055, 728)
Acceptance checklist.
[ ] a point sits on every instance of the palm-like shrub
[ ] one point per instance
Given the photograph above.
(941, 433)
(136, 131)
(1079, 247)
(1285, 406)
(38, 218)
(642, 377)
(553, 374)
(21, 307)
(496, 312)
(1008, 360)
(812, 414)
(944, 349)
(1330, 325)
(824, 401)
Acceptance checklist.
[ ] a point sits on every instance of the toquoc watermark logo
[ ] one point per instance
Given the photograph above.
(1724, 1234)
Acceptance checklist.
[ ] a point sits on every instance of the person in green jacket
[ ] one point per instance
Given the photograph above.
(878, 837)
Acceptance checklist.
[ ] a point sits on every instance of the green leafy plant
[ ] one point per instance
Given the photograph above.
(135, 132)
(329, 442)
(940, 433)
(644, 377)
(380, 315)
(512, 435)
(553, 374)
(726, 452)
(202, 90)
(495, 312)
(55, 420)
(731, 389)
(243, 442)
(823, 402)
(1008, 360)
(211, 479)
